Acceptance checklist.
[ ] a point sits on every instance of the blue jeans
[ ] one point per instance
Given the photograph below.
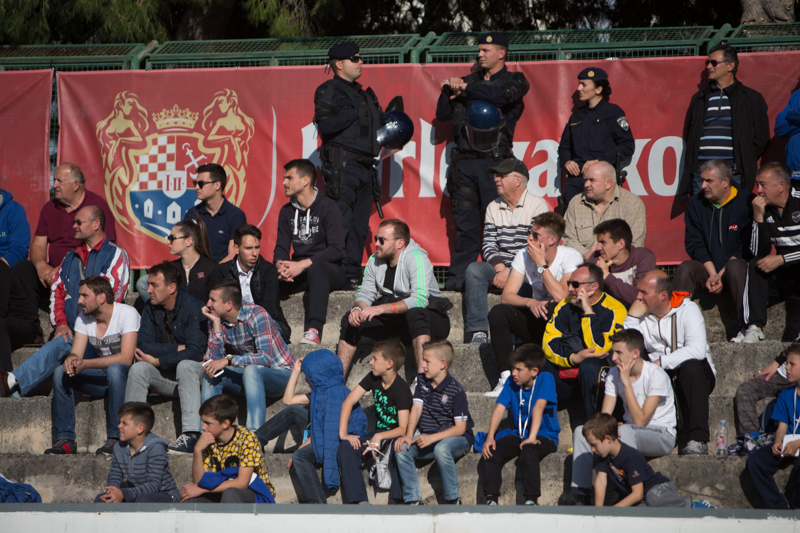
(293, 419)
(41, 364)
(445, 452)
(95, 382)
(255, 383)
(304, 464)
(477, 281)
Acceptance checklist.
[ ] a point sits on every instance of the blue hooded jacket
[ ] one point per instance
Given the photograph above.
(787, 124)
(325, 373)
(15, 232)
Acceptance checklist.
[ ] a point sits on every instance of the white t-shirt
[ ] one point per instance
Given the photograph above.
(567, 261)
(654, 381)
(124, 319)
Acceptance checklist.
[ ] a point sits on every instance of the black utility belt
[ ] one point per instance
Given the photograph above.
(329, 154)
(504, 153)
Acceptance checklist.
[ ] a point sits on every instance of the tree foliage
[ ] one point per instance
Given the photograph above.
(113, 21)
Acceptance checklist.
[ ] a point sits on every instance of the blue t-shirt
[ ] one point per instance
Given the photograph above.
(544, 388)
(628, 468)
(787, 413)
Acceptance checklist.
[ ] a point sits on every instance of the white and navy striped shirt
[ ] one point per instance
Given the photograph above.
(442, 406)
(505, 231)
(717, 139)
(779, 229)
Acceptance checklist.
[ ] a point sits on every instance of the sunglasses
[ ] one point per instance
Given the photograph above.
(714, 62)
(201, 184)
(78, 222)
(354, 59)
(382, 240)
(172, 238)
(576, 284)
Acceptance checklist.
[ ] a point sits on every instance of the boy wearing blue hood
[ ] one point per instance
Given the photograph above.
(140, 459)
(325, 375)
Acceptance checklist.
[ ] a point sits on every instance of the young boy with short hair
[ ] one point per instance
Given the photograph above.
(634, 479)
(531, 396)
(139, 464)
(439, 427)
(392, 399)
(222, 445)
(764, 462)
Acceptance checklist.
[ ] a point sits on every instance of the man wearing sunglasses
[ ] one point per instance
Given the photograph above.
(725, 120)
(578, 338)
(221, 216)
(398, 298)
(348, 119)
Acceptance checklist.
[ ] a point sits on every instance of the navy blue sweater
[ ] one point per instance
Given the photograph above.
(315, 233)
(718, 233)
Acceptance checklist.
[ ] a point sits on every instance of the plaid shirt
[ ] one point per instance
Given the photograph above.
(253, 340)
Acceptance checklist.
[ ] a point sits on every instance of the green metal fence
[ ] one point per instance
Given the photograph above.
(766, 37)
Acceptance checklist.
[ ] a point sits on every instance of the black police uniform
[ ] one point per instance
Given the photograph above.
(348, 118)
(600, 132)
(469, 182)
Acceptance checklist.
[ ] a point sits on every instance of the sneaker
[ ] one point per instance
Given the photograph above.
(530, 502)
(701, 504)
(62, 447)
(479, 337)
(414, 503)
(500, 384)
(491, 502)
(351, 284)
(457, 501)
(753, 335)
(183, 444)
(311, 337)
(413, 386)
(694, 447)
(107, 448)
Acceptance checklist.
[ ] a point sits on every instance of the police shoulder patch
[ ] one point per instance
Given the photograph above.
(623, 123)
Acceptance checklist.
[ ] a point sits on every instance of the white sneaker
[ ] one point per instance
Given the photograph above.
(739, 337)
(500, 384)
(753, 335)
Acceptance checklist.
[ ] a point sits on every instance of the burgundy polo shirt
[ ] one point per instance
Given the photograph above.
(56, 224)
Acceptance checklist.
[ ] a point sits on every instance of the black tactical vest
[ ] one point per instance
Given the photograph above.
(361, 135)
(460, 113)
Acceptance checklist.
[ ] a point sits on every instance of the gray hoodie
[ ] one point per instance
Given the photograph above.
(146, 472)
(414, 282)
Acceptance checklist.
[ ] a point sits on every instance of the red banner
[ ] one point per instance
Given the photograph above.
(139, 137)
(25, 98)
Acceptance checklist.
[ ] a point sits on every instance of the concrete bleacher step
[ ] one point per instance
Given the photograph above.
(79, 478)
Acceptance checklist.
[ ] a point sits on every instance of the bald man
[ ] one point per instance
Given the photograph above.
(685, 355)
(602, 199)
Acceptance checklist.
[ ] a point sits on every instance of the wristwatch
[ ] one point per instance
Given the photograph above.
(229, 357)
(540, 269)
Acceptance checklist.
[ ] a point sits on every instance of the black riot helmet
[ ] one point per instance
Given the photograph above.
(396, 131)
(484, 123)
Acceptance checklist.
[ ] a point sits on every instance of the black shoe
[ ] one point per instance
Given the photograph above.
(568, 498)
(62, 447)
(107, 448)
(457, 501)
(351, 284)
(454, 283)
(414, 503)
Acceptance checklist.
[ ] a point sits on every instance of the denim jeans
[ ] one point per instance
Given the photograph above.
(445, 452)
(293, 419)
(144, 377)
(95, 382)
(476, 302)
(255, 383)
(304, 464)
(41, 364)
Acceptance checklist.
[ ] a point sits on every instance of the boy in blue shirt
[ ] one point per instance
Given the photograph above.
(531, 396)
(764, 462)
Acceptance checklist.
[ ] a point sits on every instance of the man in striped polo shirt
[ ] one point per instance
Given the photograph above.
(505, 232)
(725, 120)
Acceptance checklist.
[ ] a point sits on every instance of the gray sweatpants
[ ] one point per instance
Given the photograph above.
(664, 495)
(143, 377)
(651, 441)
(747, 396)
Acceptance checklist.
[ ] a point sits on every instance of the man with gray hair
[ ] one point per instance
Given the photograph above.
(505, 232)
(55, 236)
(718, 222)
(776, 222)
(602, 199)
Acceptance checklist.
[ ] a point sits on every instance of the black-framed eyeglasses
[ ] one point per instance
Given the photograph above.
(172, 238)
(576, 284)
(354, 59)
(201, 184)
(714, 62)
(382, 240)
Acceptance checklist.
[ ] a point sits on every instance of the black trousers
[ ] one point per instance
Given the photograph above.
(476, 190)
(783, 282)
(228, 496)
(694, 382)
(573, 186)
(507, 320)
(354, 489)
(355, 204)
(28, 279)
(691, 277)
(317, 281)
(592, 373)
(406, 326)
(507, 448)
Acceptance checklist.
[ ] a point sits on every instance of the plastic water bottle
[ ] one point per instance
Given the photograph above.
(722, 440)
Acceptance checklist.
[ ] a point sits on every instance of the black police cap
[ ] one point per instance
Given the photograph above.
(343, 50)
(494, 37)
(592, 73)
(509, 165)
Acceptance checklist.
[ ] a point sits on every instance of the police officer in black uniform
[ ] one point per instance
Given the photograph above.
(469, 181)
(348, 118)
(598, 131)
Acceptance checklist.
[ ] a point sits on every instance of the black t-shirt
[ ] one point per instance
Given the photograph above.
(629, 468)
(387, 401)
(388, 280)
(166, 328)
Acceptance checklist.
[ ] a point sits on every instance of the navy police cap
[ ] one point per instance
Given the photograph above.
(494, 37)
(592, 73)
(343, 50)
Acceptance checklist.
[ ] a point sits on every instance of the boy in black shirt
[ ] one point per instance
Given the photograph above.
(628, 470)
(392, 399)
